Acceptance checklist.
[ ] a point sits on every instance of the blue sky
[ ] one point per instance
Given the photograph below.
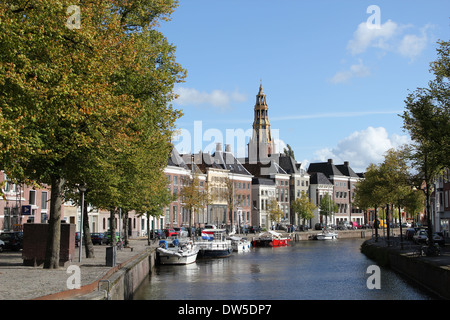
(334, 81)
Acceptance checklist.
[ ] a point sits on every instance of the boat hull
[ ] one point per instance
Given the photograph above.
(166, 257)
(241, 246)
(210, 253)
(271, 242)
(321, 236)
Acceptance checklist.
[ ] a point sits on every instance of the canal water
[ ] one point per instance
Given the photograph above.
(305, 270)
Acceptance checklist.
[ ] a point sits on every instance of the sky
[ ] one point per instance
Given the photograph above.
(335, 73)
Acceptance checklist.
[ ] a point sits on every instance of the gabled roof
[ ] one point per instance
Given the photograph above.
(175, 160)
(318, 178)
(290, 165)
(327, 168)
(346, 170)
(226, 160)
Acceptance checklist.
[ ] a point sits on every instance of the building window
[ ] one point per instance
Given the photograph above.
(174, 212)
(44, 200)
(32, 197)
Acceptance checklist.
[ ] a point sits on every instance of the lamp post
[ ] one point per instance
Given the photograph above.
(82, 190)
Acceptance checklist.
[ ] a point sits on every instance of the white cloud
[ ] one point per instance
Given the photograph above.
(412, 45)
(355, 71)
(217, 99)
(365, 37)
(362, 148)
(390, 37)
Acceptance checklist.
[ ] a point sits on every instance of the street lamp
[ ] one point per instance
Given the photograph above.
(82, 190)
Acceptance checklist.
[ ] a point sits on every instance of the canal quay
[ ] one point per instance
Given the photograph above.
(305, 270)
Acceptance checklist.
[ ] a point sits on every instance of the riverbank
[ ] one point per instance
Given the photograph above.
(429, 272)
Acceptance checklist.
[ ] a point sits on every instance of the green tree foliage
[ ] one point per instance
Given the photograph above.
(195, 197)
(275, 213)
(83, 105)
(303, 208)
(327, 206)
(427, 119)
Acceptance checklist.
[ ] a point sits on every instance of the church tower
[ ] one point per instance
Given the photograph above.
(261, 145)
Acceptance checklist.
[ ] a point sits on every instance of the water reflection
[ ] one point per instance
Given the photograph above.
(308, 270)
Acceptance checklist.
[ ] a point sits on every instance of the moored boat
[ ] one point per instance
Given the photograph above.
(213, 244)
(271, 239)
(240, 244)
(326, 235)
(176, 252)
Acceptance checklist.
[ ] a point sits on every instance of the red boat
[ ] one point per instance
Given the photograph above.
(271, 239)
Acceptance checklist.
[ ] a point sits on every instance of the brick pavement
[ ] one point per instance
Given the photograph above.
(19, 282)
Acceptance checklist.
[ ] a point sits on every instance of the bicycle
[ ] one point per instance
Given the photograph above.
(119, 244)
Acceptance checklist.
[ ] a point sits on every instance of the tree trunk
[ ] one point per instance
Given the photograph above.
(88, 245)
(376, 225)
(125, 228)
(112, 226)
(54, 223)
(148, 229)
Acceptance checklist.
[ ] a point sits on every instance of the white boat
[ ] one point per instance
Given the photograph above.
(213, 244)
(177, 252)
(326, 235)
(240, 244)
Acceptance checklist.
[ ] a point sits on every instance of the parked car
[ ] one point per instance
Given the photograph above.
(98, 238)
(182, 231)
(170, 232)
(2, 245)
(355, 225)
(343, 225)
(254, 229)
(77, 239)
(302, 227)
(406, 225)
(12, 239)
(107, 236)
(410, 233)
(420, 236)
(319, 226)
(438, 238)
(158, 234)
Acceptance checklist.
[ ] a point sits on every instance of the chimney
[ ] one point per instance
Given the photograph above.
(218, 146)
(346, 163)
(227, 148)
(330, 161)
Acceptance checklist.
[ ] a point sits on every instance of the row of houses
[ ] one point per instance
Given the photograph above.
(254, 186)
(252, 182)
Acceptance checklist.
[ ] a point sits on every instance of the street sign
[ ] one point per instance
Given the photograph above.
(26, 210)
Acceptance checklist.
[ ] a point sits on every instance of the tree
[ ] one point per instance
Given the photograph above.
(327, 206)
(65, 94)
(289, 152)
(303, 207)
(194, 197)
(275, 213)
(427, 119)
(368, 194)
(414, 202)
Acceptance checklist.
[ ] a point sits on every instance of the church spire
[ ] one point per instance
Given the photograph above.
(261, 142)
